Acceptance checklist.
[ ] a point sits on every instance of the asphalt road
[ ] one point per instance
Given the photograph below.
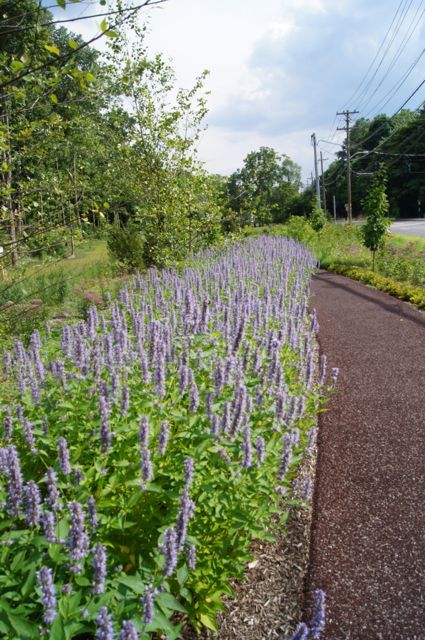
(409, 228)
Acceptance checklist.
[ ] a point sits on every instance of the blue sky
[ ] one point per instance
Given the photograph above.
(280, 69)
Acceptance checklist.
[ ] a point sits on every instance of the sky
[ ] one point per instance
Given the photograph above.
(280, 69)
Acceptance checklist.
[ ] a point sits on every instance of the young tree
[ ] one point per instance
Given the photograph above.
(375, 207)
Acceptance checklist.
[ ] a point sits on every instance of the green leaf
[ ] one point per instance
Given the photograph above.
(111, 34)
(73, 44)
(135, 583)
(182, 574)
(209, 622)
(54, 98)
(24, 628)
(16, 66)
(170, 602)
(57, 631)
(52, 48)
(104, 25)
(61, 3)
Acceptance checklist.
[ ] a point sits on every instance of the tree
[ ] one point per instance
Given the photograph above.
(265, 188)
(375, 207)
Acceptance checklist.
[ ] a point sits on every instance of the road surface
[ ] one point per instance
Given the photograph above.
(409, 228)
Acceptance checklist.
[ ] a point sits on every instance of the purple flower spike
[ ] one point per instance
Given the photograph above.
(105, 432)
(334, 375)
(8, 424)
(318, 620)
(15, 482)
(48, 596)
(128, 631)
(191, 556)
(260, 448)
(32, 502)
(64, 456)
(78, 540)
(163, 437)
(48, 519)
(170, 550)
(105, 629)
(301, 632)
(99, 569)
(92, 513)
(145, 454)
(148, 602)
(53, 499)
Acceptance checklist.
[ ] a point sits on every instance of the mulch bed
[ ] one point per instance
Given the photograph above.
(368, 547)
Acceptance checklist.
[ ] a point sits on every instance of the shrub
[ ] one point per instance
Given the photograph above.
(403, 291)
(127, 246)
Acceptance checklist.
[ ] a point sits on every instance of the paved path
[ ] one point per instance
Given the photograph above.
(368, 547)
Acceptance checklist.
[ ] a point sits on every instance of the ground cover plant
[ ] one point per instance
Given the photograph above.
(144, 449)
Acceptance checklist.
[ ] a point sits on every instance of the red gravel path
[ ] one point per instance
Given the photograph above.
(368, 546)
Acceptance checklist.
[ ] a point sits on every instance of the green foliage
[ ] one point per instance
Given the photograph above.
(317, 217)
(403, 291)
(127, 245)
(233, 504)
(265, 189)
(375, 207)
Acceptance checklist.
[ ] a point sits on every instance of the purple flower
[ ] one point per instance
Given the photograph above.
(246, 448)
(105, 629)
(334, 375)
(170, 551)
(29, 435)
(67, 589)
(99, 569)
(128, 631)
(32, 501)
(64, 456)
(301, 632)
(15, 482)
(318, 620)
(193, 397)
(148, 602)
(92, 513)
(105, 432)
(8, 424)
(145, 454)
(48, 596)
(78, 539)
(48, 520)
(260, 448)
(191, 556)
(163, 437)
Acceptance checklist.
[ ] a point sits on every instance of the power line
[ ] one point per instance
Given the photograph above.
(400, 21)
(350, 100)
(409, 33)
(397, 86)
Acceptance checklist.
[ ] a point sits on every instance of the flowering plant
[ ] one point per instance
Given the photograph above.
(144, 449)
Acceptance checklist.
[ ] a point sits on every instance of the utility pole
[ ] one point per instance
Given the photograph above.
(314, 143)
(347, 115)
(323, 183)
(334, 203)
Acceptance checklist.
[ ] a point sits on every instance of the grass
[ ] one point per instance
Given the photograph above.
(40, 289)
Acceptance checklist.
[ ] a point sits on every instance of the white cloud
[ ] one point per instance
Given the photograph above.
(279, 69)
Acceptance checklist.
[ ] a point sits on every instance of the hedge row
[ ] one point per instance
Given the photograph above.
(401, 290)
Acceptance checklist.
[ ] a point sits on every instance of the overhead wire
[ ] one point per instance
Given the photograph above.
(403, 44)
(353, 96)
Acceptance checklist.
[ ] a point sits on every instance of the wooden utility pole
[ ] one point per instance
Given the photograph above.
(347, 115)
(323, 183)
(314, 143)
